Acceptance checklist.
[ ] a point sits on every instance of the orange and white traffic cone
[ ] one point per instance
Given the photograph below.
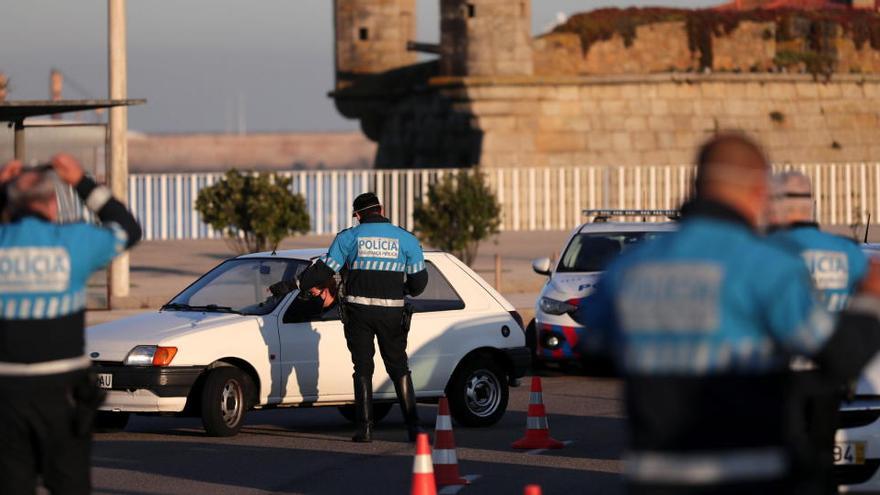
(532, 490)
(537, 428)
(445, 459)
(423, 473)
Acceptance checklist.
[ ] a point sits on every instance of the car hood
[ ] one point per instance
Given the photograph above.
(568, 286)
(112, 341)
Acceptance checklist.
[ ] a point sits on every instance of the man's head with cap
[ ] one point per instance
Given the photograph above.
(366, 204)
(733, 170)
(792, 199)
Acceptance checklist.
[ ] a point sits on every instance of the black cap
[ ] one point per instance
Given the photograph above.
(365, 201)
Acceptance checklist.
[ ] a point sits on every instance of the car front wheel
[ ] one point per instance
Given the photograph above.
(224, 401)
(478, 392)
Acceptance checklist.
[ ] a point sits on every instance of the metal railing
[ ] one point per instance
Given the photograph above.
(532, 199)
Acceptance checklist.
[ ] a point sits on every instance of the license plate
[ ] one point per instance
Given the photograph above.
(849, 453)
(105, 380)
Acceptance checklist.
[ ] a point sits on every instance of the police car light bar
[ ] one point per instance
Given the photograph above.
(603, 215)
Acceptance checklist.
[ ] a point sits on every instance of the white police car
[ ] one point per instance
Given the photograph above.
(553, 335)
(231, 342)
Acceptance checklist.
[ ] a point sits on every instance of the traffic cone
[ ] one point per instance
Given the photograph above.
(537, 429)
(445, 459)
(423, 473)
(532, 490)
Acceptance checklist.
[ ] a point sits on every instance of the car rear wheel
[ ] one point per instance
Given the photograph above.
(224, 401)
(380, 410)
(110, 422)
(478, 392)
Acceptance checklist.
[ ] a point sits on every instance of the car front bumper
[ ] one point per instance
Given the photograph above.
(566, 344)
(860, 425)
(148, 388)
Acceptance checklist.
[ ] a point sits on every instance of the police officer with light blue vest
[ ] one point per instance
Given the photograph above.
(381, 264)
(837, 265)
(702, 324)
(49, 397)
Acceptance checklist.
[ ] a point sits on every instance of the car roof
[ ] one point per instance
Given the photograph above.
(294, 254)
(307, 254)
(628, 227)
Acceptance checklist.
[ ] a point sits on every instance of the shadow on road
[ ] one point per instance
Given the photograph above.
(232, 468)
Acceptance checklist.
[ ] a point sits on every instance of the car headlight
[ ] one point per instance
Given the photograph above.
(150, 355)
(554, 307)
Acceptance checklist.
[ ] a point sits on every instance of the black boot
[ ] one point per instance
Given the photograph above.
(363, 409)
(406, 395)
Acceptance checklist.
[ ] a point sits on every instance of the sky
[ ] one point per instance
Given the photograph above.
(208, 65)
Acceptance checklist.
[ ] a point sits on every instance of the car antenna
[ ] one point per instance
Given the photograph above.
(868, 227)
(273, 250)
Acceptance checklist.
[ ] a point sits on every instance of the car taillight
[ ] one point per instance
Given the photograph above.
(518, 318)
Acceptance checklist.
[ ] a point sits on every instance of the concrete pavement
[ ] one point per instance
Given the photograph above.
(308, 451)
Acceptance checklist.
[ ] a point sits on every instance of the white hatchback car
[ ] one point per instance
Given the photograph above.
(553, 335)
(226, 345)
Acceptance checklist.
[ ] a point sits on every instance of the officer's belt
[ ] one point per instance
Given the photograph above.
(45, 368)
(707, 467)
(375, 301)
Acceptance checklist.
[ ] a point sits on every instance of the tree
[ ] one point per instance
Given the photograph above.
(460, 211)
(254, 211)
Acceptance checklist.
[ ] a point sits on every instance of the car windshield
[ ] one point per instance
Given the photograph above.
(591, 252)
(239, 286)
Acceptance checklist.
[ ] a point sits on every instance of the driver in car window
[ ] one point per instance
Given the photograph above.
(314, 304)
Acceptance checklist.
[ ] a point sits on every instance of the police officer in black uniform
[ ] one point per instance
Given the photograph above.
(49, 398)
(837, 266)
(382, 263)
(703, 322)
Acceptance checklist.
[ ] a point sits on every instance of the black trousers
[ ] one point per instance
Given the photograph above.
(821, 401)
(362, 324)
(38, 437)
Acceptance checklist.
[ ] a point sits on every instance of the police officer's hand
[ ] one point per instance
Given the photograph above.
(68, 168)
(871, 282)
(11, 170)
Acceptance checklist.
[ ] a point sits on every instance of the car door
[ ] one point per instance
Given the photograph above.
(315, 363)
(433, 345)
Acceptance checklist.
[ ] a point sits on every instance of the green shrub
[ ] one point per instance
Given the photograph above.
(460, 211)
(254, 211)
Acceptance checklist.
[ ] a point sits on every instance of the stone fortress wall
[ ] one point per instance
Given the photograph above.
(647, 96)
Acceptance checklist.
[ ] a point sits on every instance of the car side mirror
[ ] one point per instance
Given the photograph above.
(542, 266)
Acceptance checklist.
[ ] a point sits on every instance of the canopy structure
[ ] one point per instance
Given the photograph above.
(15, 112)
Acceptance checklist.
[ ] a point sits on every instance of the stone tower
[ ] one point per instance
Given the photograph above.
(371, 37)
(486, 37)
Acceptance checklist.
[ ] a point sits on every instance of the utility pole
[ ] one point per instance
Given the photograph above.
(117, 174)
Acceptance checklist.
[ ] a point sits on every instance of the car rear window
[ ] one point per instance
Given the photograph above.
(591, 252)
(438, 295)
